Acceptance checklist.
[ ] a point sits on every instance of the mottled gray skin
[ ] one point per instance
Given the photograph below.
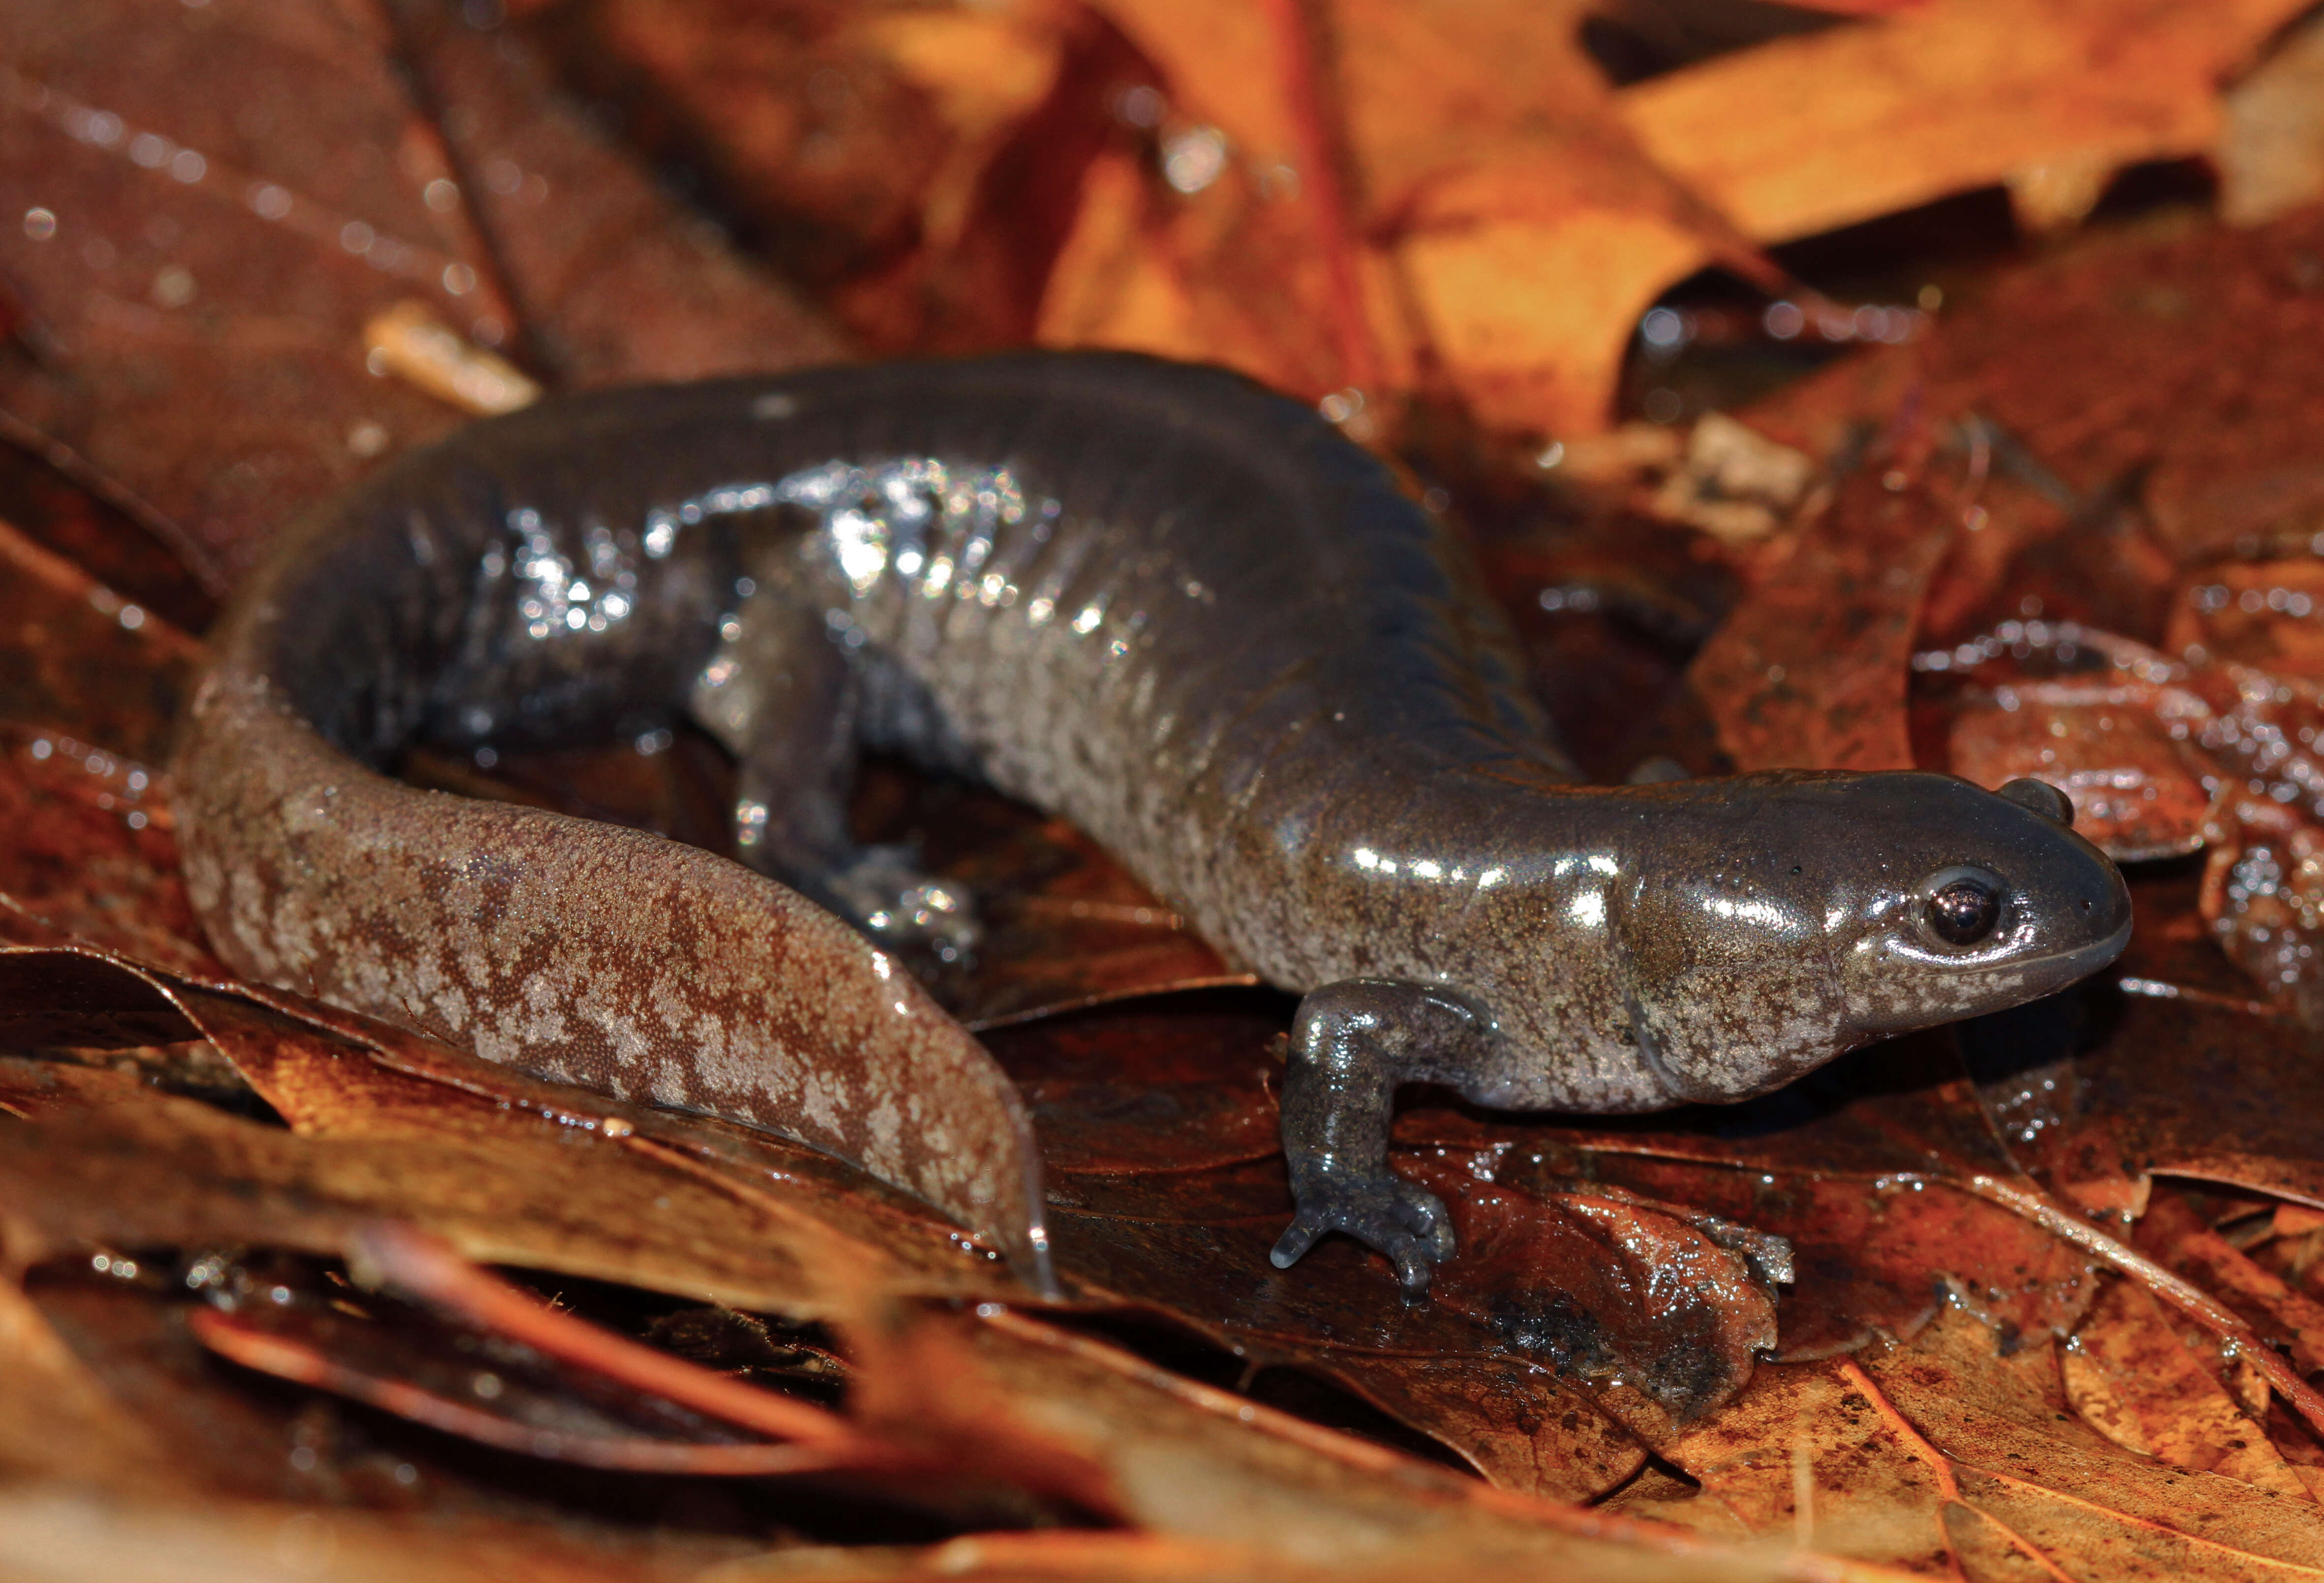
(1189, 616)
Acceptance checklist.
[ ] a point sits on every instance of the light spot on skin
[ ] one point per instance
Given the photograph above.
(1750, 910)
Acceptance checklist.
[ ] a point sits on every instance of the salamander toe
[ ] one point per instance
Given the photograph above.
(1406, 1224)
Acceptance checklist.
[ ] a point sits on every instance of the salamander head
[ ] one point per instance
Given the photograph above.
(1838, 909)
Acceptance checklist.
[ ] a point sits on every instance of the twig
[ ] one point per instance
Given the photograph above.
(425, 1267)
(1323, 165)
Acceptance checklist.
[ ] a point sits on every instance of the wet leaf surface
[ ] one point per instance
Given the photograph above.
(1809, 671)
(91, 857)
(608, 281)
(198, 300)
(79, 653)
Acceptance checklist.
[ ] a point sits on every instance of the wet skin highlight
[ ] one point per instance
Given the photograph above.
(1156, 600)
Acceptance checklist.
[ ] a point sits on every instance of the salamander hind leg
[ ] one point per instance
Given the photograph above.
(782, 696)
(881, 893)
(1353, 1045)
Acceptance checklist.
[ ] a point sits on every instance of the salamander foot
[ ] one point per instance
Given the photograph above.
(1352, 1044)
(1392, 1216)
(901, 907)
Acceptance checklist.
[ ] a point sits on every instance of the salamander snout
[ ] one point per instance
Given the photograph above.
(1984, 899)
(1796, 914)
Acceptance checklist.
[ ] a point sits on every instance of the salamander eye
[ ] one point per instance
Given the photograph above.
(1964, 911)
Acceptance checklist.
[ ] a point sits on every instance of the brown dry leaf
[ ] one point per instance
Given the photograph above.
(528, 1411)
(66, 1533)
(1511, 1418)
(2268, 615)
(2167, 355)
(2271, 157)
(226, 1435)
(558, 1387)
(1192, 1459)
(67, 507)
(2175, 1080)
(2290, 1320)
(89, 850)
(1947, 1456)
(1530, 229)
(1505, 232)
(2145, 1383)
(107, 1170)
(1811, 134)
(917, 166)
(1879, 1255)
(797, 110)
(77, 1537)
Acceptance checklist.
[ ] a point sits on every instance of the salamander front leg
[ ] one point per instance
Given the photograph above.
(1352, 1046)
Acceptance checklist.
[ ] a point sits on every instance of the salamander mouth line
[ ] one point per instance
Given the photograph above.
(2081, 960)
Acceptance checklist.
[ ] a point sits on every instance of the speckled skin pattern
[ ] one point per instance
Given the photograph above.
(1179, 610)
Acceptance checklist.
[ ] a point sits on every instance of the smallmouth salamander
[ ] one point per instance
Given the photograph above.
(1184, 611)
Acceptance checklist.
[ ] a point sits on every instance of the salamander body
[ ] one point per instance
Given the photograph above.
(1156, 600)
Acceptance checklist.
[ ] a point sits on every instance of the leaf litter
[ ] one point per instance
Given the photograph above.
(2040, 1299)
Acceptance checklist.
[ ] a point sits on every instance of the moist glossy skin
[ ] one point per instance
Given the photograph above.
(1189, 616)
